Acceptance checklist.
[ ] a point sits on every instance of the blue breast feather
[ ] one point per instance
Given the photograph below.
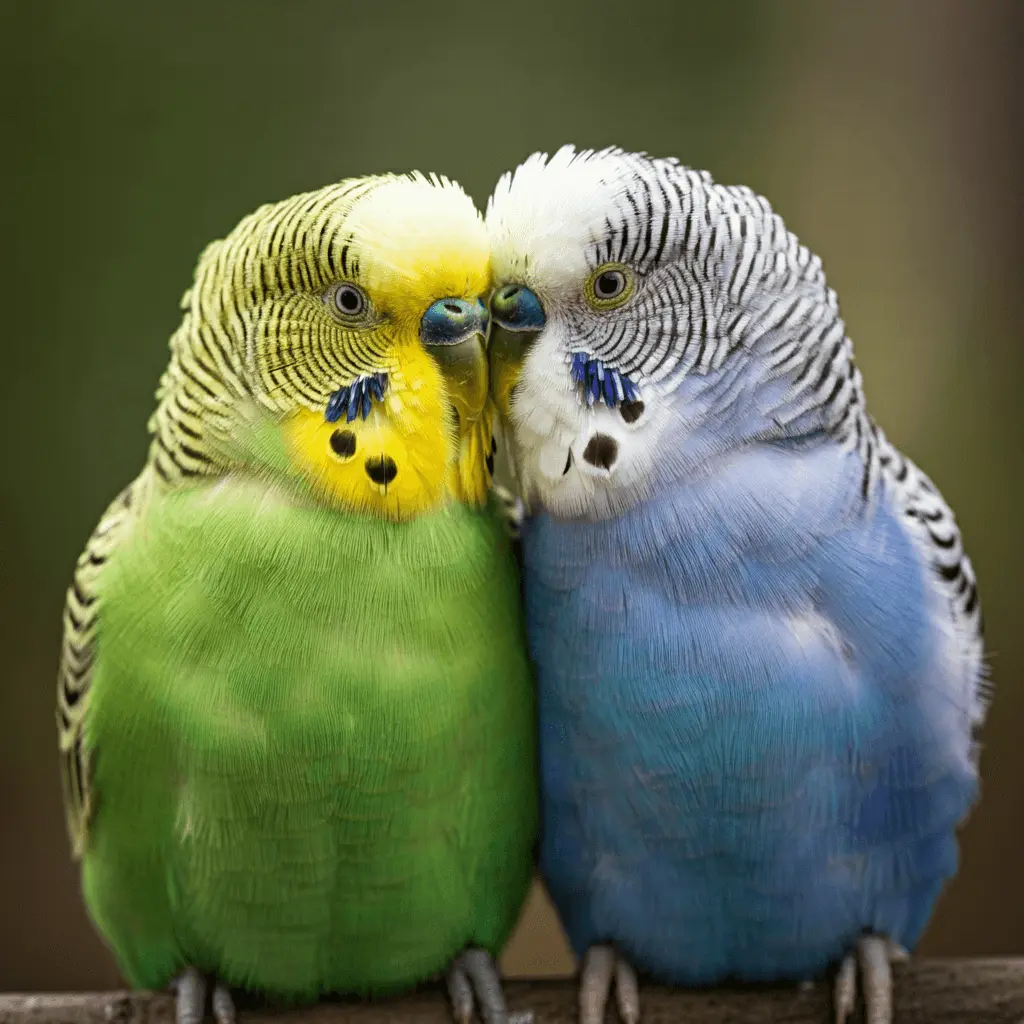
(750, 754)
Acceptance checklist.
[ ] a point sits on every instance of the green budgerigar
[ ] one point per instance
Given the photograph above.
(296, 714)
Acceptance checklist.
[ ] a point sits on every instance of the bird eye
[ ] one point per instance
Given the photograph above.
(609, 286)
(347, 300)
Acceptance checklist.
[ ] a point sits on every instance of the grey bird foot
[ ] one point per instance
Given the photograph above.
(190, 996)
(600, 968)
(473, 982)
(874, 954)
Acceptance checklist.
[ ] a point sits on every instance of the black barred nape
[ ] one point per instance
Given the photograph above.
(252, 328)
(718, 272)
(296, 245)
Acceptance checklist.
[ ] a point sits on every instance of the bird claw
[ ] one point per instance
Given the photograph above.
(473, 982)
(602, 967)
(223, 1005)
(875, 955)
(190, 999)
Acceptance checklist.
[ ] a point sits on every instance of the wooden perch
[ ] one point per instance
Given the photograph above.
(926, 992)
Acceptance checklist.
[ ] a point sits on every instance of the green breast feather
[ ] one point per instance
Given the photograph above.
(312, 744)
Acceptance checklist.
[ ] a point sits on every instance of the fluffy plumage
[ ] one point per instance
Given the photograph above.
(756, 633)
(296, 719)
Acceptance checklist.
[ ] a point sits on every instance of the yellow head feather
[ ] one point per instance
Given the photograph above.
(419, 239)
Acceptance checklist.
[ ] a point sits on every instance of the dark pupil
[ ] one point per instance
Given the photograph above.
(349, 300)
(608, 283)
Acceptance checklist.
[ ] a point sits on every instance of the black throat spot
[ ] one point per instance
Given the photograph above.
(601, 451)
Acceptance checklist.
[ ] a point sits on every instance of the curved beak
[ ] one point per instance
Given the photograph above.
(518, 320)
(455, 333)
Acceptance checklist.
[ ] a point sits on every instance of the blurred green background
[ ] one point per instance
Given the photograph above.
(886, 133)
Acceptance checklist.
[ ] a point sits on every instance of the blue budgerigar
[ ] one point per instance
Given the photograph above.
(757, 636)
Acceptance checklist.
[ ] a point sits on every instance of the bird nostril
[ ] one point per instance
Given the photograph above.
(510, 293)
(601, 451)
(452, 307)
(381, 469)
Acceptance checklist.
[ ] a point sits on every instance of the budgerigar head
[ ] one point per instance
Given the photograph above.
(646, 322)
(338, 339)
